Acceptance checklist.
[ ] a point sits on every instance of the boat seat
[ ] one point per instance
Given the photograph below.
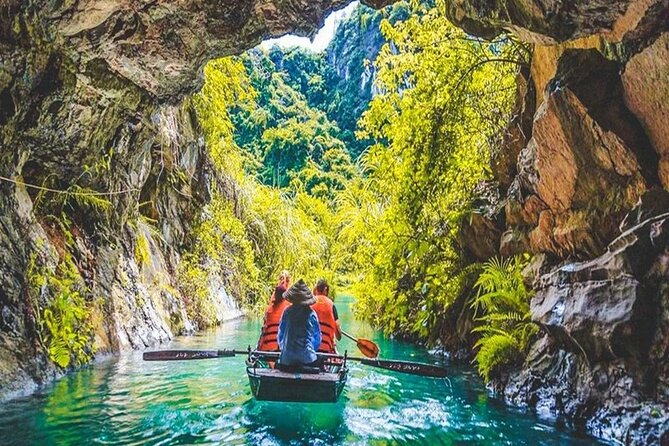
(307, 370)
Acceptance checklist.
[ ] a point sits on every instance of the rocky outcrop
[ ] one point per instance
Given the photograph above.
(604, 358)
(549, 22)
(126, 257)
(595, 147)
(646, 91)
(480, 232)
(155, 45)
(586, 164)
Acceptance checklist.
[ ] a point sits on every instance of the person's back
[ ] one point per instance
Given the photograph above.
(328, 325)
(268, 340)
(299, 332)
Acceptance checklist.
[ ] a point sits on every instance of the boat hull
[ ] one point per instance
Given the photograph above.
(269, 384)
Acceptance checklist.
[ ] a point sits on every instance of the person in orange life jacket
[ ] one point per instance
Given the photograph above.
(268, 336)
(299, 334)
(327, 318)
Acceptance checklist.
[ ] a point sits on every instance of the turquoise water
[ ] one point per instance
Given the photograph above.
(123, 400)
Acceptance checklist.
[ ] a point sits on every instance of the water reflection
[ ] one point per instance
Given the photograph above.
(125, 400)
(277, 423)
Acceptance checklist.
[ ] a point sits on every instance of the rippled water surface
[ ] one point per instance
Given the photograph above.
(124, 400)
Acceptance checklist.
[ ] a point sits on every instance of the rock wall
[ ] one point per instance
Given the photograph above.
(91, 100)
(587, 194)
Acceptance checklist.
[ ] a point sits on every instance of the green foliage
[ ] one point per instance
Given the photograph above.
(354, 47)
(194, 279)
(496, 350)
(503, 306)
(63, 325)
(445, 98)
(309, 103)
(281, 125)
(249, 231)
(221, 250)
(282, 130)
(226, 84)
(142, 250)
(50, 201)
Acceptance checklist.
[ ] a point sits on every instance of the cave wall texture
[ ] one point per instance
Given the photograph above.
(584, 182)
(583, 178)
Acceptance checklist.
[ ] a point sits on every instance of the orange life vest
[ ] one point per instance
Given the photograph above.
(325, 313)
(270, 329)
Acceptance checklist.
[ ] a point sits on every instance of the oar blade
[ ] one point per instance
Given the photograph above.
(182, 355)
(412, 368)
(368, 348)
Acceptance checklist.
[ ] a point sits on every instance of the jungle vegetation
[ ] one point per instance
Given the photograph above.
(360, 165)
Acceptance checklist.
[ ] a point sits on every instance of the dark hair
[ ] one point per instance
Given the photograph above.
(321, 285)
(278, 293)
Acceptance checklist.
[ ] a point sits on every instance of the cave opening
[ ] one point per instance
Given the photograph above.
(487, 181)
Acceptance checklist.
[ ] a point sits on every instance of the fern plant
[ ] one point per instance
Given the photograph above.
(63, 326)
(502, 307)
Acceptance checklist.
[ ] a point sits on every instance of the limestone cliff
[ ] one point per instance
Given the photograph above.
(587, 195)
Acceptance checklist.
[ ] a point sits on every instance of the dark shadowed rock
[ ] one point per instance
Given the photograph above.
(555, 21)
(518, 132)
(588, 160)
(513, 242)
(480, 233)
(604, 360)
(651, 204)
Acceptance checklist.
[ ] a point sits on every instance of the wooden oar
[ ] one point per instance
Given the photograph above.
(410, 367)
(182, 355)
(366, 347)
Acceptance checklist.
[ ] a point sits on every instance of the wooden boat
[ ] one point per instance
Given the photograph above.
(312, 385)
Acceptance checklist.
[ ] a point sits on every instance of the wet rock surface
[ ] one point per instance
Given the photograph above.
(602, 361)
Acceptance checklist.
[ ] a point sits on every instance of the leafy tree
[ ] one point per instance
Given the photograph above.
(445, 97)
(283, 131)
(249, 231)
